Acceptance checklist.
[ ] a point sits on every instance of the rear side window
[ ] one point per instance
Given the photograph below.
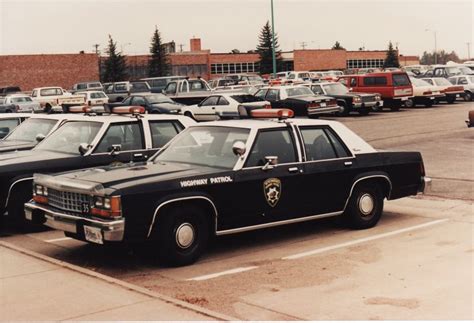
(164, 131)
(246, 98)
(322, 144)
(272, 143)
(400, 80)
(48, 92)
(375, 81)
(128, 135)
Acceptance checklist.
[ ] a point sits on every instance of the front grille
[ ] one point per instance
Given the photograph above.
(370, 98)
(68, 201)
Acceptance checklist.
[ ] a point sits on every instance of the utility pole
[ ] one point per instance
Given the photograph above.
(181, 47)
(435, 46)
(303, 45)
(273, 43)
(99, 63)
(468, 50)
(96, 46)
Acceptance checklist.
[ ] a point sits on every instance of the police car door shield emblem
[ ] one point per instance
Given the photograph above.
(272, 191)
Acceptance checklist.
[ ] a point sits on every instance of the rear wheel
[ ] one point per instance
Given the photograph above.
(47, 108)
(20, 194)
(429, 104)
(410, 103)
(344, 112)
(467, 96)
(182, 235)
(189, 114)
(365, 206)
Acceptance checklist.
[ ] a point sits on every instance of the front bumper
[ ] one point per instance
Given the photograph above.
(368, 104)
(425, 185)
(111, 230)
(331, 109)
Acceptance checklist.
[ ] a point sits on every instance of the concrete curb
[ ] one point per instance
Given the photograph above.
(111, 280)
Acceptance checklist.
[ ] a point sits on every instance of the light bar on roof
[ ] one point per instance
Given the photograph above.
(128, 110)
(272, 113)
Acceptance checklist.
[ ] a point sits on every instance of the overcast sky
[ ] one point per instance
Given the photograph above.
(68, 26)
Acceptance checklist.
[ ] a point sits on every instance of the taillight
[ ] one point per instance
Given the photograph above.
(267, 106)
(332, 102)
(427, 93)
(314, 105)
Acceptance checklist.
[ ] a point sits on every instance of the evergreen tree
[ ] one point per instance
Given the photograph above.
(158, 65)
(392, 57)
(337, 45)
(114, 65)
(264, 49)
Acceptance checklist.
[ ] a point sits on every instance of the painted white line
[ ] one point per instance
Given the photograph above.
(58, 239)
(222, 273)
(354, 242)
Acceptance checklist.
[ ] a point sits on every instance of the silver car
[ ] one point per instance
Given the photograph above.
(19, 103)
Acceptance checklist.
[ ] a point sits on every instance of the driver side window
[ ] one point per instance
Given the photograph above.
(212, 100)
(128, 135)
(272, 143)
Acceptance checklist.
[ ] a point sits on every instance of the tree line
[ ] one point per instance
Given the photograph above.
(115, 67)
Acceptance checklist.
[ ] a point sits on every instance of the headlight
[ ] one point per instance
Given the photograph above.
(356, 99)
(377, 98)
(40, 190)
(109, 206)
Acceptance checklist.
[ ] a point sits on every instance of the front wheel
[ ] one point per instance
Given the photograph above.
(467, 96)
(182, 235)
(344, 112)
(365, 207)
(410, 103)
(189, 115)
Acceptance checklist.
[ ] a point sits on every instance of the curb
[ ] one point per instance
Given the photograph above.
(114, 281)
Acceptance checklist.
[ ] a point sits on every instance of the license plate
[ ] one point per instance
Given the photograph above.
(323, 104)
(28, 215)
(93, 234)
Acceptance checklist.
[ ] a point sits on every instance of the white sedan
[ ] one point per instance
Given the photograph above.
(423, 93)
(222, 106)
(95, 97)
(19, 103)
(467, 81)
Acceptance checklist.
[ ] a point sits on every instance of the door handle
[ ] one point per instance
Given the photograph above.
(293, 169)
(348, 163)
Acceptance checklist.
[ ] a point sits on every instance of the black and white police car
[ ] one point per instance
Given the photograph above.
(127, 135)
(226, 177)
(9, 121)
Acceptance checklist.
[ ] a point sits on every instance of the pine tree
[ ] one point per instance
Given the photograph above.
(264, 49)
(337, 45)
(392, 57)
(114, 66)
(158, 65)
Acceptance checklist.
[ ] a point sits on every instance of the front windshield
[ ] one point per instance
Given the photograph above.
(206, 146)
(335, 89)
(442, 81)
(296, 91)
(457, 70)
(158, 99)
(418, 82)
(28, 130)
(69, 136)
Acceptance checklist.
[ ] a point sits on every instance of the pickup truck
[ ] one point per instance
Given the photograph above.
(188, 91)
(49, 97)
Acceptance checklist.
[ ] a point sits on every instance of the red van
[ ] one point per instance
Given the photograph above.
(394, 87)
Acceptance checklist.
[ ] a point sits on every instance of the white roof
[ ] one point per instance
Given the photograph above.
(108, 117)
(15, 115)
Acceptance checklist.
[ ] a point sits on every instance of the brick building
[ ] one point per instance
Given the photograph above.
(30, 71)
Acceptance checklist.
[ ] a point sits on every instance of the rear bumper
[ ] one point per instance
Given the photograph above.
(316, 111)
(111, 230)
(425, 186)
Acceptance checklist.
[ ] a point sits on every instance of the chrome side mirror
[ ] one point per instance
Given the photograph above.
(114, 150)
(83, 148)
(271, 162)
(40, 137)
(239, 148)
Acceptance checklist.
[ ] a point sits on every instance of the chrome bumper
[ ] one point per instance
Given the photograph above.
(314, 111)
(425, 184)
(112, 230)
(368, 104)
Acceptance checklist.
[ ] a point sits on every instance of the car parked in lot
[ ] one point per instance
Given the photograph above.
(33, 130)
(10, 121)
(158, 84)
(188, 91)
(300, 99)
(95, 97)
(297, 77)
(118, 91)
(49, 97)
(87, 86)
(86, 141)
(446, 71)
(18, 103)
(451, 92)
(222, 106)
(423, 93)
(467, 81)
(394, 87)
(276, 172)
(152, 102)
(4, 91)
(221, 82)
(349, 101)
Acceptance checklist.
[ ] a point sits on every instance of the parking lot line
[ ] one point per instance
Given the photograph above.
(354, 242)
(58, 239)
(222, 273)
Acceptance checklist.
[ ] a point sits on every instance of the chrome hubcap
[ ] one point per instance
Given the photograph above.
(185, 235)
(366, 204)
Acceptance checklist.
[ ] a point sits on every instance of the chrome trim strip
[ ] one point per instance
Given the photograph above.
(278, 223)
(11, 186)
(180, 199)
(367, 177)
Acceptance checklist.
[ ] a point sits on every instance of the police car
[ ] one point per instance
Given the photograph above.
(226, 177)
(10, 121)
(87, 140)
